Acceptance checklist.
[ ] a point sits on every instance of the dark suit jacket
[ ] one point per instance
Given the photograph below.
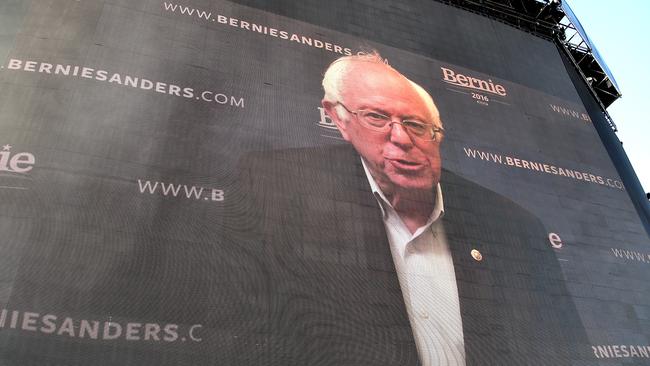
(334, 294)
(293, 269)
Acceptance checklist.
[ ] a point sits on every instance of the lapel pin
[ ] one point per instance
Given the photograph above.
(476, 255)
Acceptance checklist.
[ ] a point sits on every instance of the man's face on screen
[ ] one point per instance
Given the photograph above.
(397, 159)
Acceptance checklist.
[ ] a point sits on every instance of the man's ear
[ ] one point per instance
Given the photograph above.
(333, 113)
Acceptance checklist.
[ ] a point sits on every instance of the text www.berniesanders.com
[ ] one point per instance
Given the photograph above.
(108, 330)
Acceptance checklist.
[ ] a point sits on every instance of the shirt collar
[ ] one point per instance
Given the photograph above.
(438, 208)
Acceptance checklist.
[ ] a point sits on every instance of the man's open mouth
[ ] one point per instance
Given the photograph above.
(404, 164)
(407, 162)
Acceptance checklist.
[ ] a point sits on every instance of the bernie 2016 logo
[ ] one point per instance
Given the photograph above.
(483, 91)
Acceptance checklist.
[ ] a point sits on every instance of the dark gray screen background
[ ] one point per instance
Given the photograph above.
(79, 228)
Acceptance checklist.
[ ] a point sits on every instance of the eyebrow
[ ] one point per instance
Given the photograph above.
(410, 116)
(374, 110)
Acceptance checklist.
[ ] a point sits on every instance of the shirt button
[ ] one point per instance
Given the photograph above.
(424, 314)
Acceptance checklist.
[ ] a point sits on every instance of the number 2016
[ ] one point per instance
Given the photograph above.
(480, 97)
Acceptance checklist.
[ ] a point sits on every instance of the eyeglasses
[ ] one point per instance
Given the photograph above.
(380, 122)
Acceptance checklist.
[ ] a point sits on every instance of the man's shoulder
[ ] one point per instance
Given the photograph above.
(310, 165)
(464, 195)
(481, 215)
(301, 175)
(328, 156)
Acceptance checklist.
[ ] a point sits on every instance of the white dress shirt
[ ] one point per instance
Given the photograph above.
(426, 276)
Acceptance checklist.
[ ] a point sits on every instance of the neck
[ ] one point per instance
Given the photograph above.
(413, 207)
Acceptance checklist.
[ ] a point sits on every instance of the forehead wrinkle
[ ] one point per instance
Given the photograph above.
(367, 73)
(378, 103)
(409, 99)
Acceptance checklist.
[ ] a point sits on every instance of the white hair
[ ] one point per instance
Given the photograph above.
(428, 101)
(337, 72)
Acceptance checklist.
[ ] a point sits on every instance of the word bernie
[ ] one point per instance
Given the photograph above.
(17, 163)
(451, 77)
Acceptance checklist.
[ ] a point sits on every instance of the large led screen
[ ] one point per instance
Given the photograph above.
(304, 183)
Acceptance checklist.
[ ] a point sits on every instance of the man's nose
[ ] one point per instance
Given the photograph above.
(399, 135)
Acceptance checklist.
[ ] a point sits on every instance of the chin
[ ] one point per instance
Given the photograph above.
(414, 184)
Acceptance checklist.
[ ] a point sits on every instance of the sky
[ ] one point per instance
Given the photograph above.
(619, 31)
